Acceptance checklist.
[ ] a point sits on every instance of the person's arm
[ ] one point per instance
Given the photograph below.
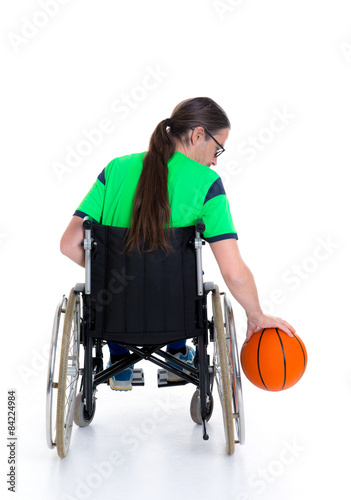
(70, 244)
(91, 205)
(241, 284)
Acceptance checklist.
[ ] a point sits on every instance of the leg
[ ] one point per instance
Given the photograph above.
(182, 352)
(175, 347)
(123, 380)
(116, 349)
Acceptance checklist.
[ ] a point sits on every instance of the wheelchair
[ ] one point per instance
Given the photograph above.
(142, 301)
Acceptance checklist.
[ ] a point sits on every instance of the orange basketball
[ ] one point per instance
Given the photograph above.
(272, 360)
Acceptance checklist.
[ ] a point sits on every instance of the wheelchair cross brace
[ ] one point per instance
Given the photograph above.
(147, 353)
(196, 376)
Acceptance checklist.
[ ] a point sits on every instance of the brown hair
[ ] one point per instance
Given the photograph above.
(151, 213)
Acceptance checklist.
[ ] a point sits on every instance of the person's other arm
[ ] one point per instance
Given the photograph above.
(241, 284)
(91, 205)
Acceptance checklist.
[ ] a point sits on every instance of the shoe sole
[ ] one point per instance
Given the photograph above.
(120, 388)
(171, 377)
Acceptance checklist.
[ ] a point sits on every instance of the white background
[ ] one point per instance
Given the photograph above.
(290, 203)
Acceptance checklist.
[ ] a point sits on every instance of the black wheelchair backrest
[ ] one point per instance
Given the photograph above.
(146, 298)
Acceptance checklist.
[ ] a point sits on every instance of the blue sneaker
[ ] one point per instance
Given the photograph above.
(187, 358)
(122, 381)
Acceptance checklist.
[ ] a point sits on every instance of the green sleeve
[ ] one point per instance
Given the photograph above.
(217, 219)
(93, 202)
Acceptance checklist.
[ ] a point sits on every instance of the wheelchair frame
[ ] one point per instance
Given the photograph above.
(80, 408)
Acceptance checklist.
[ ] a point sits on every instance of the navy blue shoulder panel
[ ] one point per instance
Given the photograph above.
(101, 177)
(216, 189)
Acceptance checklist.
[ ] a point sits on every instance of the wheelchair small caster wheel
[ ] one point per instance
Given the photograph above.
(195, 408)
(81, 416)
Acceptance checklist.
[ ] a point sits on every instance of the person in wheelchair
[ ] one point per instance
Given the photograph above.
(172, 185)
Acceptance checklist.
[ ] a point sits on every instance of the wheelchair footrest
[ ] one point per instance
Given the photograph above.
(138, 376)
(163, 382)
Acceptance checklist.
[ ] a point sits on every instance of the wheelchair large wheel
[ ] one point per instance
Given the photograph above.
(221, 371)
(68, 374)
(234, 370)
(53, 370)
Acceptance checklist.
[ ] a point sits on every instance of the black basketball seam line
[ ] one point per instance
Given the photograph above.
(304, 358)
(258, 360)
(283, 351)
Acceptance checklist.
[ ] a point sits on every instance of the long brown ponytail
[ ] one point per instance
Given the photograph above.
(151, 213)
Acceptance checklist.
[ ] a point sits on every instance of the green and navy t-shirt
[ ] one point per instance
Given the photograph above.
(195, 193)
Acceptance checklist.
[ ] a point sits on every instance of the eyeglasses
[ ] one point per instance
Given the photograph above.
(221, 148)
